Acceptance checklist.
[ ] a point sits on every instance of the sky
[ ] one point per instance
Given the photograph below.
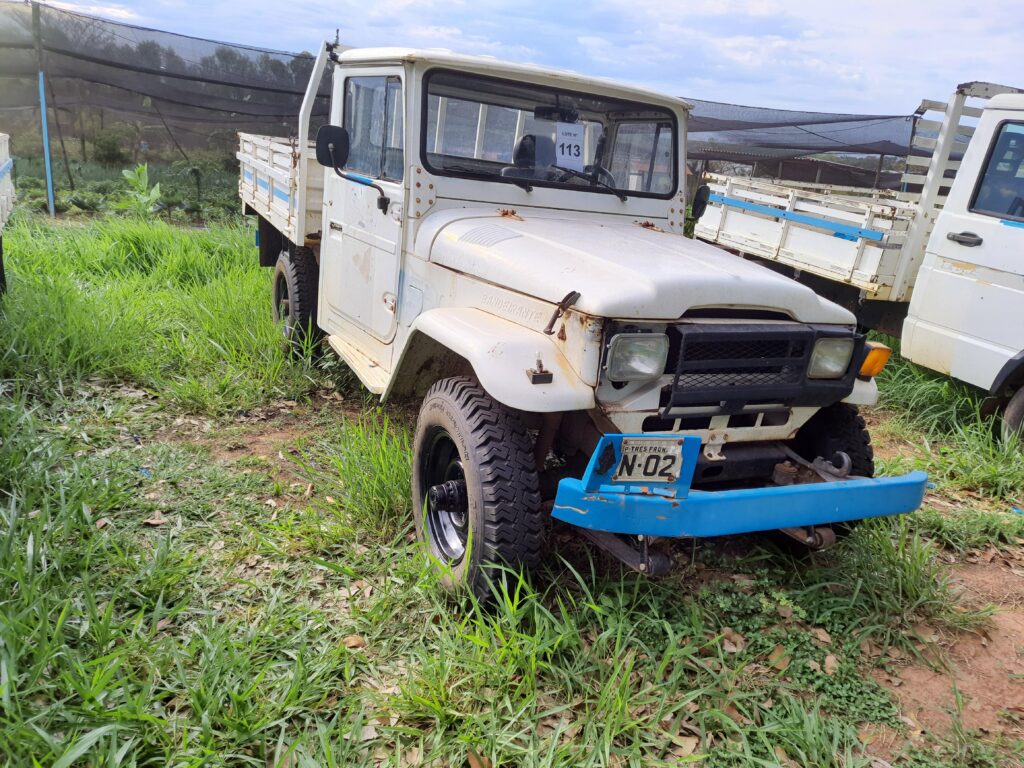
(866, 56)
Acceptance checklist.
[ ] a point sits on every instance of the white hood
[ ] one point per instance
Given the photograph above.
(622, 270)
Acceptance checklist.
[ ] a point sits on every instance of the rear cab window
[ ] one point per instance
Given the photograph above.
(1000, 191)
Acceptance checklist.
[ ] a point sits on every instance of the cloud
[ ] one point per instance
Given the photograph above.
(116, 12)
(876, 56)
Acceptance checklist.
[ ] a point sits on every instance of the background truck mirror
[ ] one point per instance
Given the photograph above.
(332, 146)
(700, 202)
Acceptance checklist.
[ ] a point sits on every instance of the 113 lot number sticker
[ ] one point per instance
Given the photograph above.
(569, 146)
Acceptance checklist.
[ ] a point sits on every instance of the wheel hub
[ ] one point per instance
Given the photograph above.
(446, 513)
(450, 497)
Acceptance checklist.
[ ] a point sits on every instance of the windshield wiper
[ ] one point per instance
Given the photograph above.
(593, 179)
(476, 172)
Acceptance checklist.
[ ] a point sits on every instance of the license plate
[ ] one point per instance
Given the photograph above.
(649, 461)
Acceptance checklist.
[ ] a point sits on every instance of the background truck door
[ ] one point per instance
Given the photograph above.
(966, 316)
(361, 252)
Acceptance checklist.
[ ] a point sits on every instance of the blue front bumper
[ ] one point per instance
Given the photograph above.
(673, 509)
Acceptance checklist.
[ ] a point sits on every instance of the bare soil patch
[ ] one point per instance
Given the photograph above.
(987, 667)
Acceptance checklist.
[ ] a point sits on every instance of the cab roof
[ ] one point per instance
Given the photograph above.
(488, 65)
(1006, 101)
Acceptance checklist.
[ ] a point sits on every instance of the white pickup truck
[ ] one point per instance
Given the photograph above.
(505, 242)
(943, 266)
(6, 197)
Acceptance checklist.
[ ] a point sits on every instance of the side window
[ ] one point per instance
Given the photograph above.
(374, 121)
(1001, 189)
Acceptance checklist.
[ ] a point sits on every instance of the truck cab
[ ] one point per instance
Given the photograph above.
(966, 315)
(505, 243)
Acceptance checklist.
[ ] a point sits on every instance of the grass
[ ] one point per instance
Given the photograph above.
(180, 312)
(944, 424)
(173, 594)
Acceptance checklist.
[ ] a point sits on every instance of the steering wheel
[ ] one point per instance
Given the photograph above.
(595, 173)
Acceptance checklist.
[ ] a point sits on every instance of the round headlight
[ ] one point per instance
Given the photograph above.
(637, 356)
(830, 359)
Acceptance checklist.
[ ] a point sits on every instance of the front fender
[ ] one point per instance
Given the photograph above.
(500, 352)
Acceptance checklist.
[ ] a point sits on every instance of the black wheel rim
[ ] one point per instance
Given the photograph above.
(445, 506)
(283, 304)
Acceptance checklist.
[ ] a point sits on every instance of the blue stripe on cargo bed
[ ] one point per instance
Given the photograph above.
(843, 230)
(262, 183)
(282, 196)
(6, 167)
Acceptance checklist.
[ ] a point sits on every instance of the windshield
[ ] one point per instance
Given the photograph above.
(525, 134)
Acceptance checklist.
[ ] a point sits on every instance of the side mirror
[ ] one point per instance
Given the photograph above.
(332, 146)
(700, 202)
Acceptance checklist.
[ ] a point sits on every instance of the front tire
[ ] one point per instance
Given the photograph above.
(839, 427)
(295, 298)
(476, 502)
(1012, 421)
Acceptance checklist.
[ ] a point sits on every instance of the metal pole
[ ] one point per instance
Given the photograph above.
(42, 110)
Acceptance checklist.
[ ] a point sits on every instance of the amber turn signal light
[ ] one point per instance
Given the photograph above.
(878, 355)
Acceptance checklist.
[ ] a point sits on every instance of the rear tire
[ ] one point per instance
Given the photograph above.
(295, 299)
(476, 502)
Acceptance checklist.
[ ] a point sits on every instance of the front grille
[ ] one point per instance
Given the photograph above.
(744, 362)
(731, 365)
(742, 377)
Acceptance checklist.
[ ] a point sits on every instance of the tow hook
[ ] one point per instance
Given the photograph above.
(822, 467)
(817, 538)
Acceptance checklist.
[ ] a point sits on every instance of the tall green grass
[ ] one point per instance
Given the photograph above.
(934, 403)
(961, 446)
(182, 312)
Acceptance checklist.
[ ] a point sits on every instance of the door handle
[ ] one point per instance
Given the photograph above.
(969, 239)
(334, 226)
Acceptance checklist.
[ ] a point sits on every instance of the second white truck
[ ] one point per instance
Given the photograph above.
(505, 243)
(942, 268)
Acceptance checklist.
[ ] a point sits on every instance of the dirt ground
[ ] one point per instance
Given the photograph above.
(985, 668)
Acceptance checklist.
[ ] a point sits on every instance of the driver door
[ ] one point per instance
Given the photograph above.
(360, 258)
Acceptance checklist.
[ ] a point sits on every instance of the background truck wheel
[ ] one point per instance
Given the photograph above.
(294, 297)
(838, 427)
(1013, 417)
(474, 485)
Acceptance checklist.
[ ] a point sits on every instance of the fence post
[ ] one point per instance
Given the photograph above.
(42, 109)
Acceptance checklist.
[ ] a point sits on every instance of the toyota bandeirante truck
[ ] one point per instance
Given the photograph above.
(505, 243)
(941, 265)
